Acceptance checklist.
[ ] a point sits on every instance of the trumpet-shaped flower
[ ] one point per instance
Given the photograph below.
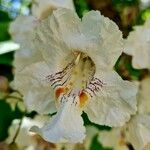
(137, 45)
(76, 74)
(24, 139)
(135, 133)
(113, 139)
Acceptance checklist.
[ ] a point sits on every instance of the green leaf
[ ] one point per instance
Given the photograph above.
(88, 122)
(7, 58)
(5, 119)
(7, 115)
(95, 145)
(81, 7)
(4, 35)
(4, 16)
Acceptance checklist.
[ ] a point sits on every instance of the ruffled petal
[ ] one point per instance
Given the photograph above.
(107, 38)
(139, 131)
(37, 93)
(114, 102)
(65, 126)
(48, 36)
(22, 28)
(41, 9)
(21, 31)
(144, 97)
(63, 32)
(113, 139)
(137, 45)
(25, 57)
(24, 138)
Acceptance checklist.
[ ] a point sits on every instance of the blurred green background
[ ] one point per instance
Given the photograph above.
(126, 14)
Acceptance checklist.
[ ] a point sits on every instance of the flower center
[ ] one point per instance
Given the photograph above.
(76, 79)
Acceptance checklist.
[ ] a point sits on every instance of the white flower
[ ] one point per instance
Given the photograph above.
(24, 139)
(136, 132)
(139, 131)
(137, 45)
(77, 75)
(42, 8)
(113, 139)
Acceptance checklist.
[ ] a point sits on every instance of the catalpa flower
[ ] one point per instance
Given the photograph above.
(135, 133)
(24, 139)
(137, 45)
(114, 139)
(76, 75)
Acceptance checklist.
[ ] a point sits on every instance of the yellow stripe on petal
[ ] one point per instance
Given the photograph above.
(59, 91)
(83, 99)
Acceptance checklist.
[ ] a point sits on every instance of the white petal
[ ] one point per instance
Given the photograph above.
(67, 33)
(41, 9)
(144, 97)
(113, 139)
(114, 103)
(65, 126)
(21, 31)
(91, 133)
(38, 94)
(137, 44)
(8, 46)
(110, 44)
(21, 28)
(25, 57)
(49, 40)
(139, 131)
(24, 138)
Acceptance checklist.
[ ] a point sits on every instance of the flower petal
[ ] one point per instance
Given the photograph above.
(38, 94)
(24, 139)
(21, 31)
(117, 142)
(65, 126)
(137, 45)
(41, 9)
(114, 102)
(139, 131)
(48, 36)
(22, 27)
(25, 57)
(68, 33)
(110, 44)
(144, 97)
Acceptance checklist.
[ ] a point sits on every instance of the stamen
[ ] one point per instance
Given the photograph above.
(77, 59)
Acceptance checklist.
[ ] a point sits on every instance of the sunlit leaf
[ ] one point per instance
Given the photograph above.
(8, 46)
